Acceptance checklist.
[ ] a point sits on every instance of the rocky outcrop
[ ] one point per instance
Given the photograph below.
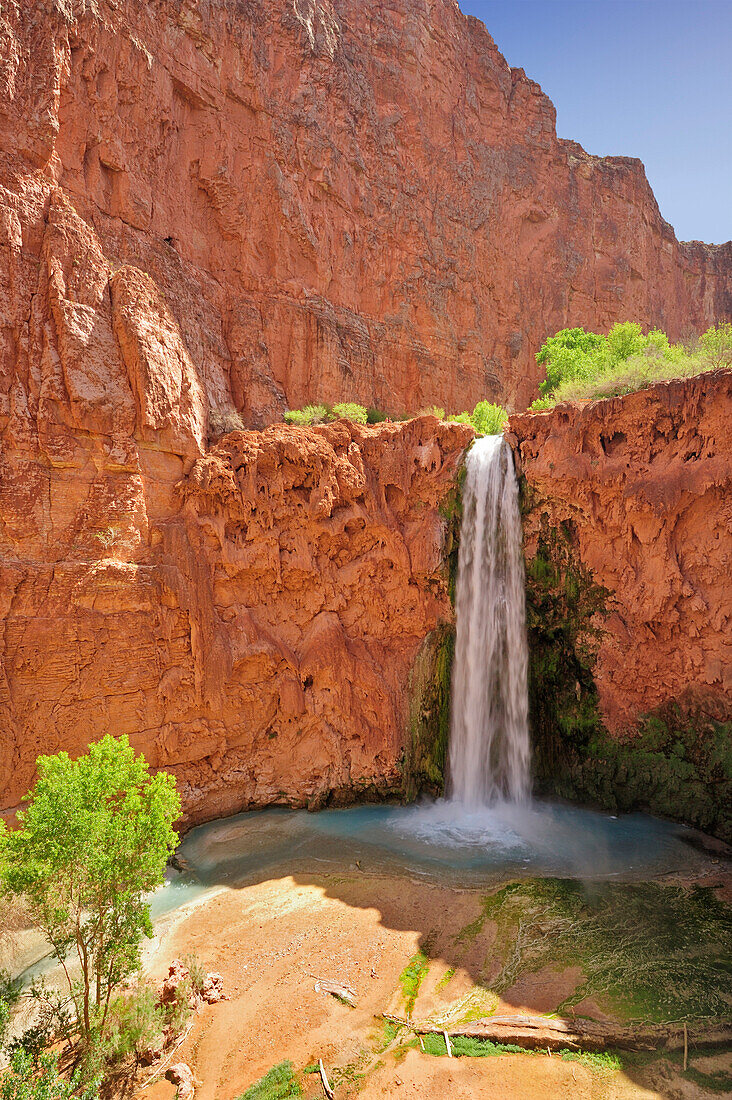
(323, 199)
(248, 614)
(628, 529)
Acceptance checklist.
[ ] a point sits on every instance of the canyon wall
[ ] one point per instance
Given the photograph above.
(628, 530)
(250, 613)
(253, 626)
(333, 200)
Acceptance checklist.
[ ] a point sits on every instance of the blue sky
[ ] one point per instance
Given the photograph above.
(642, 78)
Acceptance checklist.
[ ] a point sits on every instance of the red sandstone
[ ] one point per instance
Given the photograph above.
(645, 481)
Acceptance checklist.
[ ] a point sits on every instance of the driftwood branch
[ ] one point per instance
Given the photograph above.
(323, 985)
(539, 1032)
(323, 1077)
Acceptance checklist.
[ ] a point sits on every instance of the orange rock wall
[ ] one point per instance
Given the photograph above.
(328, 200)
(643, 485)
(251, 625)
(248, 613)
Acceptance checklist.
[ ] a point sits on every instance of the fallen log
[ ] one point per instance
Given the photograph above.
(324, 1079)
(542, 1033)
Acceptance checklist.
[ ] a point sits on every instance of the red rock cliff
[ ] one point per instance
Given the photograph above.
(250, 616)
(639, 489)
(330, 200)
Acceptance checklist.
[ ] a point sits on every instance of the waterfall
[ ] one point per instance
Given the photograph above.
(489, 734)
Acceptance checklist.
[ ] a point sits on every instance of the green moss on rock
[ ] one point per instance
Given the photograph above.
(677, 763)
(429, 714)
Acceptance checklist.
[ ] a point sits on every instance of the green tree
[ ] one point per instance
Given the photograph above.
(571, 353)
(93, 841)
(625, 339)
(25, 1080)
(716, 344)
(488, 419)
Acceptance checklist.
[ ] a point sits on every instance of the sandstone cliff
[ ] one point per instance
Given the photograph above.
(249, 614)
(329, 199)
(628, 528)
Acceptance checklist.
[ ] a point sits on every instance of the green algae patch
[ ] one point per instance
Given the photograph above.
(647, 952)
(428, 723)
(678, 764)
(280, 1083)
(445, 979)
(411, 979)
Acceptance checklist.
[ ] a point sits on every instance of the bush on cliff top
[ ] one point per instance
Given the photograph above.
(323, 414)
(486, 418)
(587, 366)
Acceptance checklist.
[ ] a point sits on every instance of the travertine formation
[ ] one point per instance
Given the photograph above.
(333, 200)
(641, 486)
(249, 614)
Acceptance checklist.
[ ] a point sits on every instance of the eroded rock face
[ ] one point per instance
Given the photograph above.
(248, 614)
(324, 199)
(640, 485)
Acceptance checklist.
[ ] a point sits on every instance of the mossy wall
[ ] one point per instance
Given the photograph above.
(425, 757)
(678, 761)
(429, 714)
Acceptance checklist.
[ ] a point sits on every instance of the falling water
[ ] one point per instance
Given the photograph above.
(489, 737)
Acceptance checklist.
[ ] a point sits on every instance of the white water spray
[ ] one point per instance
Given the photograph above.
(489, 735)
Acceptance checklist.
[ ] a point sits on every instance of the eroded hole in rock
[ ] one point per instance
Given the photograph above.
(394, 497)
(611, 444)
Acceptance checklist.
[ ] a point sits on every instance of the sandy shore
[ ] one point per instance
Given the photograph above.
(273, 939)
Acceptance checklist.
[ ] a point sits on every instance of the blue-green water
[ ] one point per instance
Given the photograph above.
(439, 840)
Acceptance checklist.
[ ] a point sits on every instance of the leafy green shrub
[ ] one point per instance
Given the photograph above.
(716, 344)
(135, 1020)
(23, 1080)
(375, 416)
(322, 414)
(433, 410)
(588, 366)
(279, 1084)
(486, 418)
(311, 414)
(350, 411)
(9, 995)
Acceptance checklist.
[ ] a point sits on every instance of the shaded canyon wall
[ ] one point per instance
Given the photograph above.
(628, 530)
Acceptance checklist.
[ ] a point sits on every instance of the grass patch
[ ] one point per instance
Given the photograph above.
(651, 952)
(602, 1062)
(465, 1046)
(279, 1083)
(411, 979)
